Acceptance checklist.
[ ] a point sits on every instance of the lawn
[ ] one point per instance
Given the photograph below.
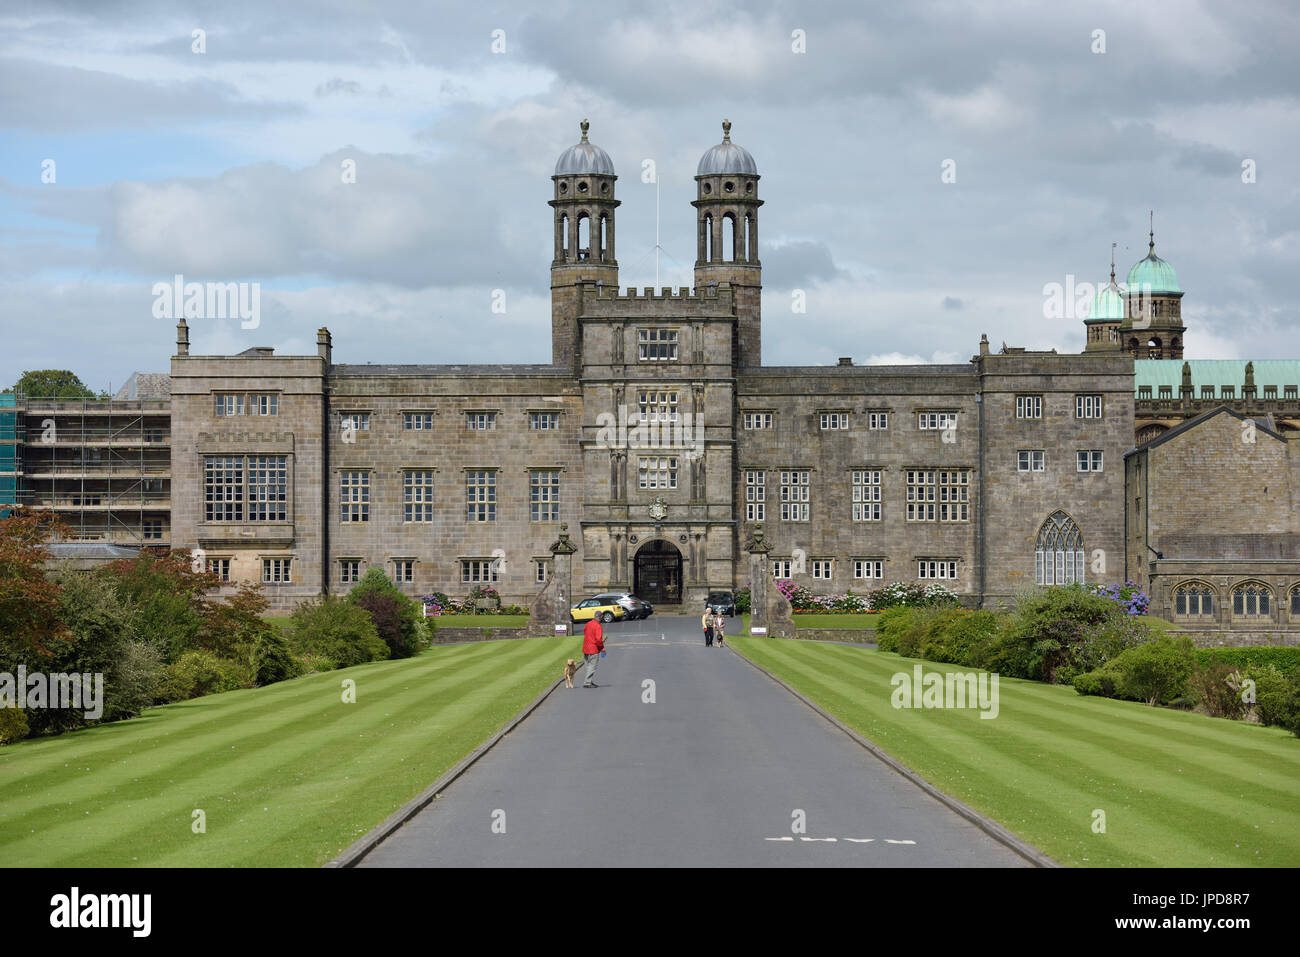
(1178, 789)
(856, 622)
(445, 621)
(288, 775)
(479, 621)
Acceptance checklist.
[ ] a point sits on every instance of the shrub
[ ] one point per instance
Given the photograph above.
(342, 632)
(1049, 631)
(396, 617)
(135, 681)
(892, 625)
(956, 636)
(743, 599)
(199, 672)
(1156, 671)
(312, 663)
(269, 657)
(1106, 640)
(13, 725)
(1217, 689)
(1099, 682)
(1277, 696)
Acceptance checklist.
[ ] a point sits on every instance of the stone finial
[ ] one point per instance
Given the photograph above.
(562, 545)
(1187, 375)
(584, 126)
(1250, 375)
(726, 131)
(757, 544)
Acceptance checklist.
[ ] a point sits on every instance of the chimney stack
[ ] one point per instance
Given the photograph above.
(182, 338)
(325, 345)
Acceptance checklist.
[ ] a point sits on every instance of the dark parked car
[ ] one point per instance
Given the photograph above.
(635, 607)
(723, 602)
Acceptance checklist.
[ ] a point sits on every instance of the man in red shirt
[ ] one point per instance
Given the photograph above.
(593, 643)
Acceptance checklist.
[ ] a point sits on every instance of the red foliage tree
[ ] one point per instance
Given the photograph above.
(29, 601)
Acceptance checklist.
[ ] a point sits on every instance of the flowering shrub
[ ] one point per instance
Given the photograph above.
(1129, 595)
(744, 599)
(480, 601)
(799, 596)
(914, 595)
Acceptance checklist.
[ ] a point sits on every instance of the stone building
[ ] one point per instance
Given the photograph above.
(658, 435)
(1221, 564)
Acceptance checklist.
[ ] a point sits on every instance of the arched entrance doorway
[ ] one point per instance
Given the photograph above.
(657, 574)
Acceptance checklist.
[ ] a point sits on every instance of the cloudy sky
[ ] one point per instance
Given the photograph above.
(225, 163)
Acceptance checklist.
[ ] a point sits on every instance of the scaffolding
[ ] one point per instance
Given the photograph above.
(102, 465)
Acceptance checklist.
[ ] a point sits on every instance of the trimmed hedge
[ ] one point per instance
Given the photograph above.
(1286, 659)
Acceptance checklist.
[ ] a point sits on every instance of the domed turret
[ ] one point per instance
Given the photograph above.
(726, 158)
(1153, 275)
(1107, 313)
(726, 203)
(1153, 324)
(584, 157)
(584, 204)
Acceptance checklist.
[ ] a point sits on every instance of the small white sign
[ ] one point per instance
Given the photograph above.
(758, 631)
(561, 629)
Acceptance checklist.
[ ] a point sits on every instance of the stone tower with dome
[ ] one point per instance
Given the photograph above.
(1145, 318)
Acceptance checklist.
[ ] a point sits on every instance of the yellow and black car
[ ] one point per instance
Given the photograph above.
(600, 608)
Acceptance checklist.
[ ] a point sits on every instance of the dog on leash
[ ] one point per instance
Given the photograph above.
(570, 669)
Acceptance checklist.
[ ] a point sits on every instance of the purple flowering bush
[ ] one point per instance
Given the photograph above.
(1129, 595)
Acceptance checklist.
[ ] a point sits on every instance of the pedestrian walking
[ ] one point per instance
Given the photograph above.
(593, 645)
(719, 627)
(707, 621)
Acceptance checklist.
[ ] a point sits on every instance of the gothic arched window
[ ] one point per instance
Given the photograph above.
(1194, 598)
(1295, 601)
(1058, 557)
(1250, 600)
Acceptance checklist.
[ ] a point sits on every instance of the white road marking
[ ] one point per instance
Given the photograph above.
(832, 840)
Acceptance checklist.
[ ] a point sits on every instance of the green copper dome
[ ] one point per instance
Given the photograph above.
(1109, 303)
(1153, 275)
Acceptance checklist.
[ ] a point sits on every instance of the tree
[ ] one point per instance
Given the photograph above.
(396, 617)
(30, 617)
(52, 384)
(170, 599)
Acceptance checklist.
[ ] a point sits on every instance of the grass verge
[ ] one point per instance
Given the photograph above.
(287, 775)
(853, 622)
(1177, 789)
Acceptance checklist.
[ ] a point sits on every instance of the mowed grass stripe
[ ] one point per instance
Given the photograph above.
(209, 775)
(319, 700)
(196, 763)
(1209, 745)
(103, 741)
(492, 710)
(945, 730)
(323, 780)
(1052, 757)
(353, 780)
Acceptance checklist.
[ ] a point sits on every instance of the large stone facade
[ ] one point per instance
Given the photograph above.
(658, 435)
(1218, 562)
